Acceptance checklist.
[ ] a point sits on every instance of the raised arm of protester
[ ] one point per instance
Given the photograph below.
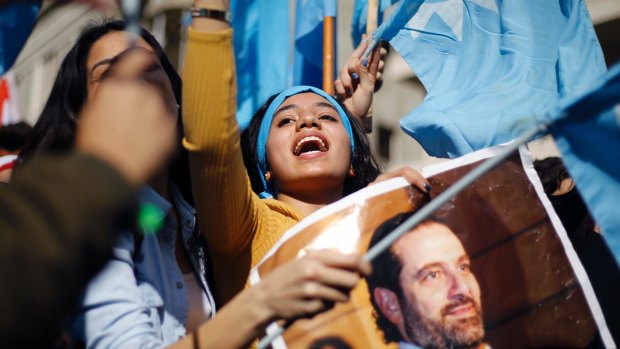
(302, 150)
(227, 210)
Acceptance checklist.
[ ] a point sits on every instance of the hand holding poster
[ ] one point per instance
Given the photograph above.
(492, 268)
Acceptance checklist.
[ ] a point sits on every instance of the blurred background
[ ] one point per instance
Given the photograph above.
(59, 24)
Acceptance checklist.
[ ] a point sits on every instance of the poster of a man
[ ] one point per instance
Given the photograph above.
(427, 295)
(493, 267)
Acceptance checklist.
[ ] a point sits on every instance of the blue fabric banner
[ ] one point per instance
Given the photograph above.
(587, 132)
(308, 61)
(262, 51)
(269, 55)
(489, 66)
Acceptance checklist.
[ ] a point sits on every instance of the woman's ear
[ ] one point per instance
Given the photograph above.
(267, 176)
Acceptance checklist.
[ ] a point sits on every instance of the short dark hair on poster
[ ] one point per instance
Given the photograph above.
(386, 269)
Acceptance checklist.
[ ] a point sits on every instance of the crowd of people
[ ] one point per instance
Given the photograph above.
(117, 136)
(158, 288)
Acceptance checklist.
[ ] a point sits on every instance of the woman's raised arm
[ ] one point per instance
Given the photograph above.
(222, 194)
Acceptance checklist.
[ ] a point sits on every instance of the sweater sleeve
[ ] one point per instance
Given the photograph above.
(58, 220)
(222, 193)
(238, 226)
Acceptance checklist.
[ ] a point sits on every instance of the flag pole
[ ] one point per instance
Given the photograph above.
(431, 207)
(372, 17)
(328, 46)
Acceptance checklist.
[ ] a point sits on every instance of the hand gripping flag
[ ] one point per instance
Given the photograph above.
(587, 132)
(490, 65)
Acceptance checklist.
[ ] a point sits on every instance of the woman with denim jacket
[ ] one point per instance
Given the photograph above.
(155, 288)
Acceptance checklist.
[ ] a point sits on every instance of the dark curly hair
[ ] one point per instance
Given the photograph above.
(364, 163)
(386, 272)
(55, 128)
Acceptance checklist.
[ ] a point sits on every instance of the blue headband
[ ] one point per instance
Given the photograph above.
(265, 125)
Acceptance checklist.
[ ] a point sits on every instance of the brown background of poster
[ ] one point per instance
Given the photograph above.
(530, 295)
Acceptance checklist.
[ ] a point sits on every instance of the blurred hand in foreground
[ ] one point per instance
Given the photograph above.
(130, 122)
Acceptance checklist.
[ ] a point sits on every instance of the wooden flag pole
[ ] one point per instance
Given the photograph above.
(372, 17)
(328, 54)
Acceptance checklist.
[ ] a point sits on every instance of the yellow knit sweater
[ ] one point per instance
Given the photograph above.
(238, 226)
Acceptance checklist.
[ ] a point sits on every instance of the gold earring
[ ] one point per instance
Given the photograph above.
(352, 171)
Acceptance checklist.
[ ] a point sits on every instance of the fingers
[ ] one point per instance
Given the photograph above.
(359, 50)
(412, 176)
(333, 269)
(311, 284)
(335, 259)
(332, 277)
(374, 60)
(341, 93)
(370, 69)
(348, 78)
(358, 72)
(380, 69)
(317, 290)
(312, 307)
(365, 267)
(379, 75)
(327, 276)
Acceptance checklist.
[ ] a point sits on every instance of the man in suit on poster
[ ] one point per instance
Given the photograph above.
(423, 290)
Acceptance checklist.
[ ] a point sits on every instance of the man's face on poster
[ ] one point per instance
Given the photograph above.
(440, 307)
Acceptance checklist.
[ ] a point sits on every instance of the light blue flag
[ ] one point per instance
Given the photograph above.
(271, 57)
(587, 132)
(308, 61)
(360, 15)
(16, 23)
(490, 65)
(262, 52)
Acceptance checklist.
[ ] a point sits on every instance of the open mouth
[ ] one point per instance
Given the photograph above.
(310, 145)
